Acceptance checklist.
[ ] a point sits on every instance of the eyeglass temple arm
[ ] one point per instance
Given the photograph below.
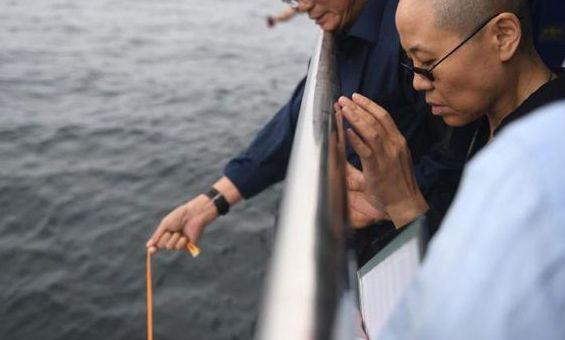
(481, 26)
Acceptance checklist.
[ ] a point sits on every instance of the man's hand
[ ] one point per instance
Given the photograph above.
(187, 222)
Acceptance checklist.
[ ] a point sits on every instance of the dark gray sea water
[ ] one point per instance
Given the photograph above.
(112, 112)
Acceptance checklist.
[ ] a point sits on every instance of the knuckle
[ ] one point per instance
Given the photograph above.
(373, 134)
(380, 114)
(402, 144)
(374, 107)
(353, 116)
(368, 153)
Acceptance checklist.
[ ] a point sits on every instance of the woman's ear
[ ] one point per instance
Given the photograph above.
(507, 32)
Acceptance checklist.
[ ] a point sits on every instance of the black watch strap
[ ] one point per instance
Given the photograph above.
(219, 201)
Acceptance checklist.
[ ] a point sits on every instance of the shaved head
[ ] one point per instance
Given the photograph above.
(464, 15)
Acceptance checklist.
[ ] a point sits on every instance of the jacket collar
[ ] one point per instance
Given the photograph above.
(368, 23)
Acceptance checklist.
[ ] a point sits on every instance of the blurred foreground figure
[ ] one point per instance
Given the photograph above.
(496, 268)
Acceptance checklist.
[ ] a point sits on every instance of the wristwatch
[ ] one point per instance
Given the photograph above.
(219, 201)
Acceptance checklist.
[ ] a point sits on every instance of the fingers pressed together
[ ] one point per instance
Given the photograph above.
(372, 125)
(389, 179)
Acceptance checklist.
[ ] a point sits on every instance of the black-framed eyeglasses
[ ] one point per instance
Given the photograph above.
(427, 72)
(292, 3)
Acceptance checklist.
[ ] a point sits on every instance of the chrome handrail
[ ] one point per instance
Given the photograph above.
(309, 288)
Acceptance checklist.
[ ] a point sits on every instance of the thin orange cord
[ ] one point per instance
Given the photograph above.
(194, 251)
(149, 298)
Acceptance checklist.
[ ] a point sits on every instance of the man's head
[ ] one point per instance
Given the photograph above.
(489, 39)
(332, 15)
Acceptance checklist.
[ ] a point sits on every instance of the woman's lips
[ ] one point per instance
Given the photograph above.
(438, 109)
(320, 20)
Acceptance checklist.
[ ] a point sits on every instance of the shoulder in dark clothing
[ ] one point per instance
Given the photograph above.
(551, 91)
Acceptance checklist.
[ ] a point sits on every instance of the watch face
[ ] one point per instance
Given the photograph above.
(219, 201)
(222, 205)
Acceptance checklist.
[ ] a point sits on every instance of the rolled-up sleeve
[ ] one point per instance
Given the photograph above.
(265, 161)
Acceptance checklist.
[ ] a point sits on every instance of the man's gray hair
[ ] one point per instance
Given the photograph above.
(464, 15)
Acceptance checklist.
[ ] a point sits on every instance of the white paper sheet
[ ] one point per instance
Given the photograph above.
(383, 281)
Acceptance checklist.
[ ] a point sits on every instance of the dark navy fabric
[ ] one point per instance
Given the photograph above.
(549, 30)
(368, 56)
(265, 161)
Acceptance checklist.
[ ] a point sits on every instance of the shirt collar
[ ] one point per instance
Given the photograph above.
(548, 92)
(368, 23)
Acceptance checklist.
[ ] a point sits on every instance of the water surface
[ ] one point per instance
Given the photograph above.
(112, 112)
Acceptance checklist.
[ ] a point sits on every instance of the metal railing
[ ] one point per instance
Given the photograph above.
(309, 288)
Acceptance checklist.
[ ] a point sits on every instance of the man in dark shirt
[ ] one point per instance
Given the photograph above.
(368, 58)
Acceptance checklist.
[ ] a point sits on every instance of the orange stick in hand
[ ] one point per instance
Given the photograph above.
(194, 251)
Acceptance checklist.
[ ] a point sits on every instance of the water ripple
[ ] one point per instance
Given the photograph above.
(112, 112)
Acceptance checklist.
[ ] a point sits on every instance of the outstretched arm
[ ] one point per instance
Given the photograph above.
(260, 165)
